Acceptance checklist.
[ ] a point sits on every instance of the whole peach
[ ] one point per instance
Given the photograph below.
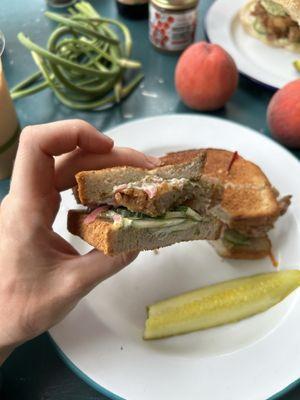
(206, 76)
(283, 115)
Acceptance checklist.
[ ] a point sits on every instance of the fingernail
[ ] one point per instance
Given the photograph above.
(153, 161)
(108, 138)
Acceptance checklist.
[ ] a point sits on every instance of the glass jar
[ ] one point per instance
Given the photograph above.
(133, 9)
(60, 3)
(9, 125)
(172, 23)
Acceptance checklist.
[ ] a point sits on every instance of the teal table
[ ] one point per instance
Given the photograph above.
(34, 371)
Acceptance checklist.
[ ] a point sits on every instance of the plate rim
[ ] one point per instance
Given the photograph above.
(69, 363)
(211, 117)
(80, 374)
(101, 389)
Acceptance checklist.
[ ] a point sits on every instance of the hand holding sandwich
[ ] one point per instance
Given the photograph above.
(43, 276)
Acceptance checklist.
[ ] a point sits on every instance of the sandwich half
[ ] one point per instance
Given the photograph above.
(133, 209)
(274, 22)
(250, 205)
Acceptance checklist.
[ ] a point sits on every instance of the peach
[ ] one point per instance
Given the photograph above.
(283, 115)
(206, 76)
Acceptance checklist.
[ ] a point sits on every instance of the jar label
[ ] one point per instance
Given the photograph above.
(172, 31)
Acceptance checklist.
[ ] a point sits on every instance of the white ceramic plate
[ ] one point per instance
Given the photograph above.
(265, 64)
(102, 337)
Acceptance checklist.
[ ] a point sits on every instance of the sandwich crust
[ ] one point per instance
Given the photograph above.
(249, 200)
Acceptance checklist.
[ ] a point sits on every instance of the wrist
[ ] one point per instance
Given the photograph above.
(5, 352)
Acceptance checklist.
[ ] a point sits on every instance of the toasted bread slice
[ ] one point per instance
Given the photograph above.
(96, 186)
(169, 186)
(250, 204)
(112, 239)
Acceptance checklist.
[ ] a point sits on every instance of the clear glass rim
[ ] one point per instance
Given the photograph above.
(2, 43)
(67, 3)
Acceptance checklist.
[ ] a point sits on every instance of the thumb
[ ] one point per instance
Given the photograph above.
(91, 269)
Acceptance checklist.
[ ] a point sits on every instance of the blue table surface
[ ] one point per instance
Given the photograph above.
(35, 371)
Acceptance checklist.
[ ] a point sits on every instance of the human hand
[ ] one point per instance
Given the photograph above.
(42, 276)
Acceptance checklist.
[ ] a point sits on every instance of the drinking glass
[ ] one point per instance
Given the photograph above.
(9, 124)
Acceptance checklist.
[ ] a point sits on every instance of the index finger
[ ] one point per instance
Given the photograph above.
(67, 165)
(34, 173)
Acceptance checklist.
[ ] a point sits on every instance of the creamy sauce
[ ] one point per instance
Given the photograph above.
(9, 126)
(150, 184)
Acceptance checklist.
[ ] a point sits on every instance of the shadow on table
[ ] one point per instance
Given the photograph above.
(35, 372)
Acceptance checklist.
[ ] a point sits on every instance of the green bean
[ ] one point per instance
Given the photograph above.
(87, 81)
(71, 10)
(98, 89)
(130, 64)
(27, 92)
(84, 62)
(86, 8)
(78, 27)
(115, 50)
(102, 88)
(122, 27)
(99, 56)
(54, 46)
(63, 45)
(122, 62)
(57, 34)
(118, 90)
(53, 57)
(88, 11)
(26, 82)
(109, 100)
(100, 52)
(81, 44)
(89, 105)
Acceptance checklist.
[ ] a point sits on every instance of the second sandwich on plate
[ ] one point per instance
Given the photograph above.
(274, 22)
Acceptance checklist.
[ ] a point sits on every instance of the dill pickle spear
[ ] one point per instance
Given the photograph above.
(219, 304)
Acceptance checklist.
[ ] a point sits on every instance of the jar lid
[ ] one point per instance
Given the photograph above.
(175, 4)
